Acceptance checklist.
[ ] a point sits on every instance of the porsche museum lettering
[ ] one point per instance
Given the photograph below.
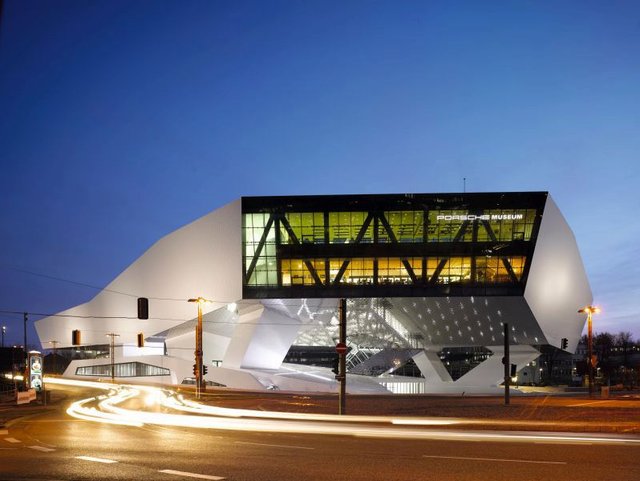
(473, 217)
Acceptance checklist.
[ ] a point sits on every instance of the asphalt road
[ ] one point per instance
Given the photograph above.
(54, 446)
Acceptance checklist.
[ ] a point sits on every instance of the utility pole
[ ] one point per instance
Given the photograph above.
(507, 364)
(113, 354)
(26, 318)
(342, 357)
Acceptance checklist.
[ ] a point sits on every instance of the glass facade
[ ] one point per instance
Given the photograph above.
(123, 369)
(377, 245)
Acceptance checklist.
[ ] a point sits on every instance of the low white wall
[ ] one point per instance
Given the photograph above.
(178, 368)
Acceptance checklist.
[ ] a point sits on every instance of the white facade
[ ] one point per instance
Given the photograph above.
(245, 341)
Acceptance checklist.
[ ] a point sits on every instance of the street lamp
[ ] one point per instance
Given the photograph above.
(590, 310)
(200, 386)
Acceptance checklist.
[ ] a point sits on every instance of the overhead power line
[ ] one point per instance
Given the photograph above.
(77, 316)
(150, 319)
(84, 284)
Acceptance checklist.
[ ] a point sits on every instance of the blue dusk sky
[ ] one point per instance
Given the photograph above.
(122, 121)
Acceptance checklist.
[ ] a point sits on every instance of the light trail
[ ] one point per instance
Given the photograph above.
(106, 408)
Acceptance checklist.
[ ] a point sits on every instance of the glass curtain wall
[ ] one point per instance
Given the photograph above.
(286, 247)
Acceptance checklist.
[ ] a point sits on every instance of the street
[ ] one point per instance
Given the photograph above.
(56, 446)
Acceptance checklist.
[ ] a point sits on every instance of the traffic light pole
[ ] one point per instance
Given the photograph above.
(342, 366)
(199, 387)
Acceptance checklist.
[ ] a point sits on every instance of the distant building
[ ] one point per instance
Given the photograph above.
(11, 360)
(421, 272)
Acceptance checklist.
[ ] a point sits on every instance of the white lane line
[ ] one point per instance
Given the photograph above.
(12, 440)
(273, 445)
(41, 448)
(423, 422)
(494, 459)
(189, 475)
(96, 460)
(563, 442)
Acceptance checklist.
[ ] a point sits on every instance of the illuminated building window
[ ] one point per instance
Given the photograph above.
(344, 227)
(303, 272)
(394, 270)
(358, 271)
(260, 250)
(123, 369)
(354, 243)
(406, 226)
(307, 227)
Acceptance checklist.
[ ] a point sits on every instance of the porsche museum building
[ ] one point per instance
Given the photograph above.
(422, 274)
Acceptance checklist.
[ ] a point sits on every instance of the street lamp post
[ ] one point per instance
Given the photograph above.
(200, 386)
(590, 310)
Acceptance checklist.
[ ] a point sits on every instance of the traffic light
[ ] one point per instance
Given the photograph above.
(204, 369)
(564, 343)
(195, 373)
(143, 308)
(140, 339)
(514, 369)
(75, 337)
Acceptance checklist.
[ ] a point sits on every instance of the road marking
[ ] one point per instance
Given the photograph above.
(273, 445)
(189, 475)
(585, 404)
(41, 448)
(40, 421)
(96, 460)
(495, 459)
(45, 444)
(12, 440)
(563, 442)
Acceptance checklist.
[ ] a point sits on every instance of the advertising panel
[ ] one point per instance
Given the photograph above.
(35, 371)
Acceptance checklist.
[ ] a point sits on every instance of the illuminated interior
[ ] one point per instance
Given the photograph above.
(308, 243)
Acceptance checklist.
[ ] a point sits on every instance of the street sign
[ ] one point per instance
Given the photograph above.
(341, 348)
